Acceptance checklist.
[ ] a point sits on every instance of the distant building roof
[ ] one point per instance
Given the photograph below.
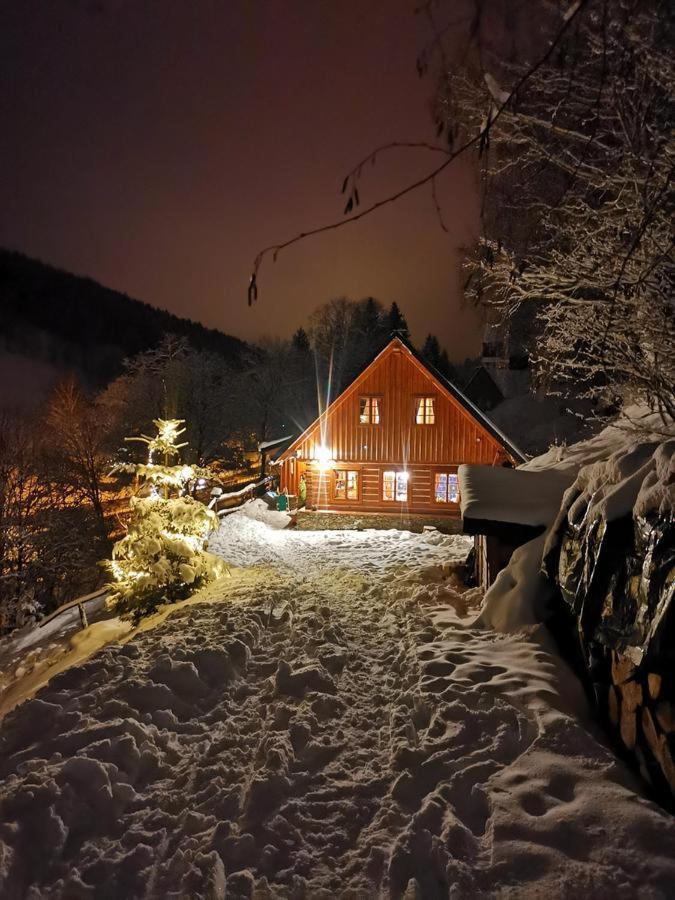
(483, 390)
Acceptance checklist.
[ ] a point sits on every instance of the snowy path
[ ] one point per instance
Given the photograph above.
(338, 733)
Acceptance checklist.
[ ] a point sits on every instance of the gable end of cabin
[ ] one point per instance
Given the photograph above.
(391, 442)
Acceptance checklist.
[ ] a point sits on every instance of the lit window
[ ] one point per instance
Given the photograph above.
(446, 489)
(424, 411)
(369, 410)
(346, 485)
(395, 486)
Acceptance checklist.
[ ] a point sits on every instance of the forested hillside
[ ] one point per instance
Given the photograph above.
(76, 323)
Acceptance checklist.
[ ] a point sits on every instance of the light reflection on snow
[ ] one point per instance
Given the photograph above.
(258, 536)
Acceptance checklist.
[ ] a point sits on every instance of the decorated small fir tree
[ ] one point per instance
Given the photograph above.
(163, 556)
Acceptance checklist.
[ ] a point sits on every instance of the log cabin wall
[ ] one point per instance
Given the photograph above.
(397, 379)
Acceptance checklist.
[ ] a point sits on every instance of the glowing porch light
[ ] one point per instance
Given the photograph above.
(323, 457)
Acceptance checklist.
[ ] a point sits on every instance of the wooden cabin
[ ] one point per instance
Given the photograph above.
(392, 442)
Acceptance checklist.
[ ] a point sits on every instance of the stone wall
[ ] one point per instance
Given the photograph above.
(307, 520)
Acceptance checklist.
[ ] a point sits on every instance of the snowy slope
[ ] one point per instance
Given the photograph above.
(328, 722)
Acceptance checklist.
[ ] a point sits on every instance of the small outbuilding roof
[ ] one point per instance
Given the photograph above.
(492, 497)
(482, 389)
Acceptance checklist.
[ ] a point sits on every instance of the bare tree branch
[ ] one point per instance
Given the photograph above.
(477, 140)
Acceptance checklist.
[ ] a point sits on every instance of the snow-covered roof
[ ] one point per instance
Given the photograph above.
(510, 496)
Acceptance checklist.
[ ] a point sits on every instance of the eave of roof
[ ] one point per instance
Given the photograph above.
(507, 532)
(470, 407)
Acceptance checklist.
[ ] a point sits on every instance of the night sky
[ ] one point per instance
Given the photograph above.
(157, 145)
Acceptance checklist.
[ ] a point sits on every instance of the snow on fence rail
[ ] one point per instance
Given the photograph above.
(242, 492)
(79, 603)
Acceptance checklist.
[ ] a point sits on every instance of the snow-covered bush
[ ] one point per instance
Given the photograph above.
(163, 556)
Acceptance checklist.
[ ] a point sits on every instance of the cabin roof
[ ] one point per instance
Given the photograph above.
(443, 382)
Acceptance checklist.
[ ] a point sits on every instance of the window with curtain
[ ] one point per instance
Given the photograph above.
(446, 488)
(369, 410)
(395, 486)
(346, 484)
(425, 411)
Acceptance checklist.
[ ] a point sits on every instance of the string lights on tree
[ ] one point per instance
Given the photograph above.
(163, 556)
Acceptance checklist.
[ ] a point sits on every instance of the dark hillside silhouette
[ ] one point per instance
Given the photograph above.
(74, 322)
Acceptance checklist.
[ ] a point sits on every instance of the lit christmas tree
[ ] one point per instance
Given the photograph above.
(163, 556)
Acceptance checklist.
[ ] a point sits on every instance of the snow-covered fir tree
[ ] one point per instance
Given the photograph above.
(163, 557)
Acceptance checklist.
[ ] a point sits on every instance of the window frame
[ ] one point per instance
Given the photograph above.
(424, 398)
(396, 473)
(347, 470)
(449, 474)
(371, 397)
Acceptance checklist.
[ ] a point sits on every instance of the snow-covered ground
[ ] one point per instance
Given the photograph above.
(253, 536)
(330, 721)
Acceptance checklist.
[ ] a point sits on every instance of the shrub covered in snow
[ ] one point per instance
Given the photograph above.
(163, 556)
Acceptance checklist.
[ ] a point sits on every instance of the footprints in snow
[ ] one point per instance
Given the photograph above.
(473, 734)
(293, 735)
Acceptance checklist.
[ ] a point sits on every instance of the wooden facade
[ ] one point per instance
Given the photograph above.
(392, 441)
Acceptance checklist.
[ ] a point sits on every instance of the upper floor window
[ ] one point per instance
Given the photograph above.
(446, 487)
(369, 410)
(346, 485)
(425, 410)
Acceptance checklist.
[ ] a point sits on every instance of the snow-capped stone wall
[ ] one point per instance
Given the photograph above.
(612, 553)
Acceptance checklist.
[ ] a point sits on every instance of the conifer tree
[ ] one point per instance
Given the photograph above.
(445, 367)
(163, 557)
(300, 342)
(396, 321)
(431, 351)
